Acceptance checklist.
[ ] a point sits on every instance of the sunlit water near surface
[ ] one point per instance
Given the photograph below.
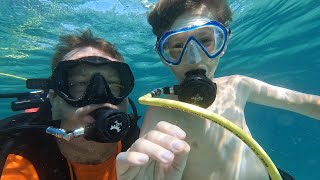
(274, 41)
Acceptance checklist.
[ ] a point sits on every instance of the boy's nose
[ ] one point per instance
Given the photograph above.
(192, 53)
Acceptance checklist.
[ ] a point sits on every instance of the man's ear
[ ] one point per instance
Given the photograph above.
(55, 105)
(51, 95)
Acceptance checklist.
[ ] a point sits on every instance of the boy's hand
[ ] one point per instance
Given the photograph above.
(160, 154)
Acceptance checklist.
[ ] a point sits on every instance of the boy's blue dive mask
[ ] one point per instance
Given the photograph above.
(197, 38)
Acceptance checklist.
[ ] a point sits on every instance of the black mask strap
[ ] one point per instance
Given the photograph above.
(134, 117)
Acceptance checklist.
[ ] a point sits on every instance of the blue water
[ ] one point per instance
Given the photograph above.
(275, 41)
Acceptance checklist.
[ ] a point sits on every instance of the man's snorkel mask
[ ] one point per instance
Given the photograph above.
(199, 41)
(79, 83)
(69, 82)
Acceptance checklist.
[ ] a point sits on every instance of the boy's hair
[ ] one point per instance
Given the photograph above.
(166, 12)
(68, 43)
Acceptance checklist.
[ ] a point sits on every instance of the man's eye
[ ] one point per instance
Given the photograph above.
(116, 89)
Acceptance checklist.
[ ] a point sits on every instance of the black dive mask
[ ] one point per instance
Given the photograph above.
(196, 89)
(97, 92)
(92, 80)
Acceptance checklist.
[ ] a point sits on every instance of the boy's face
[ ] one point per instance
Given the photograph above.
(192, 56)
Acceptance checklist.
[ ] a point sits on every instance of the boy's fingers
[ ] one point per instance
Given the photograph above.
(170, 129)
(166, 141)
(154, 151)
(130, 159)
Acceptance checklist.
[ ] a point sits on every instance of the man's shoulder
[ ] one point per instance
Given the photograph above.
(18, 136)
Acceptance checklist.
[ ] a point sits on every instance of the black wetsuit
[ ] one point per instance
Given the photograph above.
(41, 148)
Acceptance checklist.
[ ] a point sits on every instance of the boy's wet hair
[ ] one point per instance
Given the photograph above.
(85, 38)
(166, 12)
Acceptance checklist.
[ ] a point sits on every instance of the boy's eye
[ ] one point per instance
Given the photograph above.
(206, 41)
(176, 46)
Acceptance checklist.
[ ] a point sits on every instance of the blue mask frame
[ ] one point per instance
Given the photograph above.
(160, 42)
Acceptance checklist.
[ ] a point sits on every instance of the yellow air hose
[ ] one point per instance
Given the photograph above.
(149, 99)
(13, 76)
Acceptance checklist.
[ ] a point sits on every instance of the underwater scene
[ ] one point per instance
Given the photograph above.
(277, 42)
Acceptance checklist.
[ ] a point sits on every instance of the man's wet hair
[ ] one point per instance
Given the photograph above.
(85, 38)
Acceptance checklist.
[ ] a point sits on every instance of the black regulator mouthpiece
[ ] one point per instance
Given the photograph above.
(111, 126)
(197, 89)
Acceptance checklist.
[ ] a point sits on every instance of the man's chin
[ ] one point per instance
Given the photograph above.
(80, 150)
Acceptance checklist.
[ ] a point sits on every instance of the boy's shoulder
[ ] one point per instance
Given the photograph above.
(231, 80)
(236, 83)
(236, 79)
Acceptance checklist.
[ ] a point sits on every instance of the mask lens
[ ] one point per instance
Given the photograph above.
(210, 39)
(80, 77)
(93, 80)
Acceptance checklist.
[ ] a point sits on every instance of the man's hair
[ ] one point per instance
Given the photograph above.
(68, 43)
(166, 12)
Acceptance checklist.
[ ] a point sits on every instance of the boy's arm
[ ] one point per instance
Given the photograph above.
(269, 95)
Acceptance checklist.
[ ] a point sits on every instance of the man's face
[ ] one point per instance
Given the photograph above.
(75, 117)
